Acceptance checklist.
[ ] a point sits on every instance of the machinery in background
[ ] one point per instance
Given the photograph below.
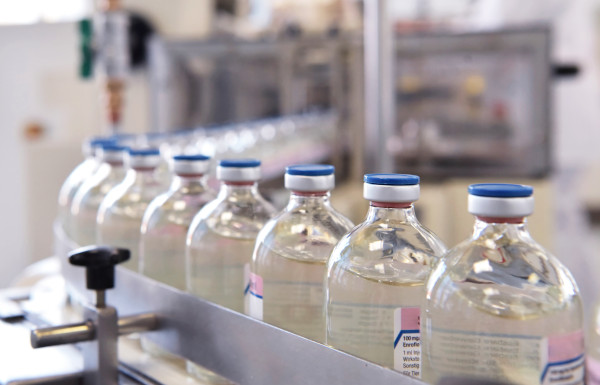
(215, 82)
(465, 104)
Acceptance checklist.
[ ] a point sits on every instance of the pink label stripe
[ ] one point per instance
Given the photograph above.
(256, 285)
(411, 318)
(565, 347)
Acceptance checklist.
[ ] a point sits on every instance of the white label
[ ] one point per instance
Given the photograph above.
(407, 341)
(255, 296)
(556, 360)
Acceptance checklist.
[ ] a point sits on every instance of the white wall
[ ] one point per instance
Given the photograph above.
(39, 82)
(38, 78)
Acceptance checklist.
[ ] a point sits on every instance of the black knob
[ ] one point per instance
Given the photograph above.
(99, 263)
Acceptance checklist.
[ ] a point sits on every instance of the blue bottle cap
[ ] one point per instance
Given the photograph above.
(99, 142)
(239, 163)
(111, 147)
(191, 158)
(144, 151)
(392, 179)
(500, 190)
(310, 170)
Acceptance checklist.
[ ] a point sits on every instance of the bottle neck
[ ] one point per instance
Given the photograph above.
(187, 181)
(229, 189)
(141, 176)
(398, 212)
(309, 198)
(113, 164)
(513, 227)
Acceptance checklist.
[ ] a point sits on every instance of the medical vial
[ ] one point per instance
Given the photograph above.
(120, 214)
(376, 277)
(167, 220)
(91, 193)
(499, 307)
(222, 236)
(76, 178)
(592, 361)
(289, 261)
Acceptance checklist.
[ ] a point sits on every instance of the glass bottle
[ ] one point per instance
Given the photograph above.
(592, 362)
(80, 174)
(376, 277)
(92, 192)
(288, 264)
(165, 226)
(120, 214)
(499, 307)
(167, 220)
(221, 238)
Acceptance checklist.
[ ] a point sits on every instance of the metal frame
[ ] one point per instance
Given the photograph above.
(533, 39)
(238, 347)
(167, 55)
(379, 97)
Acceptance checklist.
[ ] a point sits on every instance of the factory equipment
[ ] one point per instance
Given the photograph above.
(465, 104)
(241, 349)
(213, 82)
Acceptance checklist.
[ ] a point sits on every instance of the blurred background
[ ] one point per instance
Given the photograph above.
(456, 91)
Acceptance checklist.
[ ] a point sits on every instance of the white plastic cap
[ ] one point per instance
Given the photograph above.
(310, 177)
(111, 153)
(500, 200)
(395, 188)
(191, 164)
(93, 146)
(238, 170)
(143, 158)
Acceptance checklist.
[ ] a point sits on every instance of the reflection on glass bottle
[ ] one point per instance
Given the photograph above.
(499, 307)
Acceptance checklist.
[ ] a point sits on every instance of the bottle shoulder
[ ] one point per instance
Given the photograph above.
(232, 218)
(388, 251)
(512, 277)
(75, 179)
(305, 222)
(302, 235)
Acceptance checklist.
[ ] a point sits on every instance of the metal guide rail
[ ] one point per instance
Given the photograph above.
(239, 348)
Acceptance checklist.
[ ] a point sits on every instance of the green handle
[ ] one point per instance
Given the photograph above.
(86, 32)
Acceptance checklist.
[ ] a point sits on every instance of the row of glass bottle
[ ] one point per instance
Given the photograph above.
(497, 306)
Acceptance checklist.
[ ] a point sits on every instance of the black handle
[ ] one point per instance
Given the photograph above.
(566, 70)
(99, 262)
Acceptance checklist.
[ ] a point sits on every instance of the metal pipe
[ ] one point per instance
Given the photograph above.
(61, 335)
(100, 298)
(379, 85)
(137, 323)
